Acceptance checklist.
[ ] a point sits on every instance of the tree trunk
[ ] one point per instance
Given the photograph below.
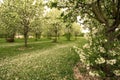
(108, 45)
(68, 35)
(25, 35)
(76, 36)
(110, 38)
(39, 35)
(56, 36)
(36, 36)
(10, 38)
(25, 41)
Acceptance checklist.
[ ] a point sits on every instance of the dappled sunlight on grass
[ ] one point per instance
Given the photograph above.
(49, 64)
(42, 60)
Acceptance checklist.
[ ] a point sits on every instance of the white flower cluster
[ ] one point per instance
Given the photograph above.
(94, 53)
(94, 30)
(86, 46)
(111, 62)
(81, 53)
(102, 50)
(82, 57)
(112, 52)
(100, 60)
(117, 72)
(76, 49)
(88, 66)
(93, 73)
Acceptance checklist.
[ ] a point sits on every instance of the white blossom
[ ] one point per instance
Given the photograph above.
(93, 73)
(112, 52)
(82, 57)
(88, 66)
(86, 46)
(106, 40)
(74, 47)
(102, 50)
(116, 72)
(111, 62)
(100, 60)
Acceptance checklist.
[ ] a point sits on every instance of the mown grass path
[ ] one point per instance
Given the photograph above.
(18, 44)
(54, 63)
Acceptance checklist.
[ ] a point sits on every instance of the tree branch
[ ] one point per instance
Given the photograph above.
(116, 23)
(97, 13)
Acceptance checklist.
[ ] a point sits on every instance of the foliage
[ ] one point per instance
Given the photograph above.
(18, 15)
(96, 58)
(55, 23)
(103, 20)
(9, 20)
(72, 29)
(76, 29)
(37, 27)
(2, 30)
(68, 31)
(27, 11)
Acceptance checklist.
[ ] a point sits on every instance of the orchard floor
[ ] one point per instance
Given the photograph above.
(42, 60)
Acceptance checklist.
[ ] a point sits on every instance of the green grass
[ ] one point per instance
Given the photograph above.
(42, 60)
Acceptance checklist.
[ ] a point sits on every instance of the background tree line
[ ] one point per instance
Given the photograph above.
(28, 17)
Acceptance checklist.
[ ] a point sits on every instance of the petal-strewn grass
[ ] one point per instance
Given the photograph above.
(47, 63)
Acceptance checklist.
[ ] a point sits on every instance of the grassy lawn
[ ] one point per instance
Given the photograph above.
(42, 60)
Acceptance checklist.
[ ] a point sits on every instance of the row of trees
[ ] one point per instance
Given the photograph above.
(18, 16)
(29, 16)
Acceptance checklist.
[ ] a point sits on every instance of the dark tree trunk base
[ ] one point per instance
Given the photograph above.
(10, 40)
